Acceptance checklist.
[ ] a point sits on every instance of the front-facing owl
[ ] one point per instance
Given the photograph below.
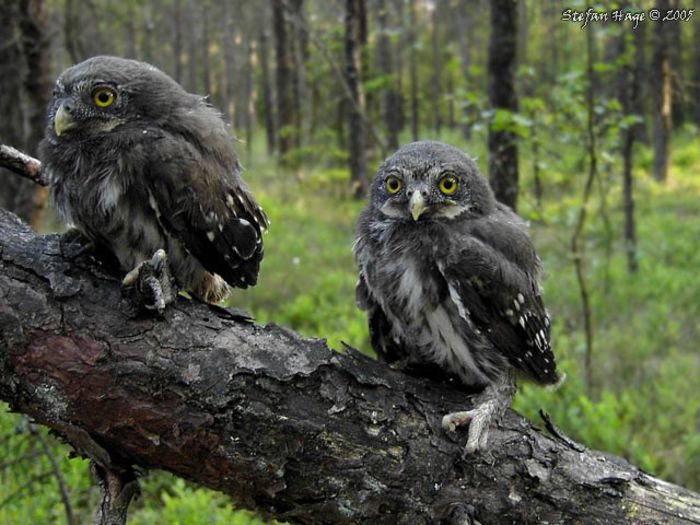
(449, 278)
(139, 165)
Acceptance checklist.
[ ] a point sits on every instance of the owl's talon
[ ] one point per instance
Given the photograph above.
(131, 277)
(152, 283)
(479, 420)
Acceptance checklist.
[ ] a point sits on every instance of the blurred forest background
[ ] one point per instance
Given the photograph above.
(593, 132)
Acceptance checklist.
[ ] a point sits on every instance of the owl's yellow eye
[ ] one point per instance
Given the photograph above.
(103, 97)
(448, 184)
(393, 184)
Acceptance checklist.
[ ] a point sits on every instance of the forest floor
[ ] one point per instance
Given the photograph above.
(642, 403)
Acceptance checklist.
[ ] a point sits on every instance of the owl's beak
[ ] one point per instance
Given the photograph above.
(417, 205)
(63, 120)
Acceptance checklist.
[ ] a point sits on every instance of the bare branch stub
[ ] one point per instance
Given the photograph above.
(22, 164)
(280, 423)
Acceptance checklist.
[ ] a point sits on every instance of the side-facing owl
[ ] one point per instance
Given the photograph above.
(139, 165)
(449, 278)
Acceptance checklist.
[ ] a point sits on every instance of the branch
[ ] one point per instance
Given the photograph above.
(56, 470)
(282, 424)
(22, 164)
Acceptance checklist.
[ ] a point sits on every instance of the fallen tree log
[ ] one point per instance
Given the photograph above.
(282, 424)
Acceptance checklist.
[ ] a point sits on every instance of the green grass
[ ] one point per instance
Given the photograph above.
(643, 403)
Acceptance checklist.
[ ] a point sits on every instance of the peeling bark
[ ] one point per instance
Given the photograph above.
(282, 424)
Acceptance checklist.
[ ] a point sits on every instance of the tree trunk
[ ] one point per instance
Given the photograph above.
(465, 26)
(696, 74)
(22, 103)
(302, 93)
(192, 84)
(71, 31)
(248, 93)
(503, 151)
(399, 53)
(629, 96)
(177, 40)
(37, 86)
(148, 28)
(37, 82)
(206, 59)
(641, 71)
(356, 132)
(129, 26)
(282, 424)
(450, 99)
(229, 43)
(552, 14)
(436, 84)
(537, 178)
(523, 32)
(578, 245)
(285, 110)
(266, 89)
(662, 98)
(362, 43)
(413, 66)
(675, 51)
(388, 94)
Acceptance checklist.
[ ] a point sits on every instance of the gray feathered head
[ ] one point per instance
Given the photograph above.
(431, 181)
(104, 92)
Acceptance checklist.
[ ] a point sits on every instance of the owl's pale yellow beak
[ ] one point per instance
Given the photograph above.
(417, 205)
(63, 121)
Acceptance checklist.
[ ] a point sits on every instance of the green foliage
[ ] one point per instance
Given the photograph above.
(178, 503)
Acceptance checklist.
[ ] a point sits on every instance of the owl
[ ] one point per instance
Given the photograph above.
(138, 165)
(450, 280)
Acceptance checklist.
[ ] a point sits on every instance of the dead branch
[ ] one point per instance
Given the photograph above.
(280, 423)
(22, 164)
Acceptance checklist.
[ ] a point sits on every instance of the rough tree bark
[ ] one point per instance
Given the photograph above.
(282, 424)
(503, 150)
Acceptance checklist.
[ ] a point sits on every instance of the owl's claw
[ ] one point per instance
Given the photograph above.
(152, 283)
(479, 420)
(489, 406)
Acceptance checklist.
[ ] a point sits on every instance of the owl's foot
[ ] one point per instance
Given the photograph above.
(490, 405)
(74, 244)
(152, 283)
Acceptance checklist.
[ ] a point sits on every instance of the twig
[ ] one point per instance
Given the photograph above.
(65, 497)
(559, 434)
(22, 164)
(577, 247)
